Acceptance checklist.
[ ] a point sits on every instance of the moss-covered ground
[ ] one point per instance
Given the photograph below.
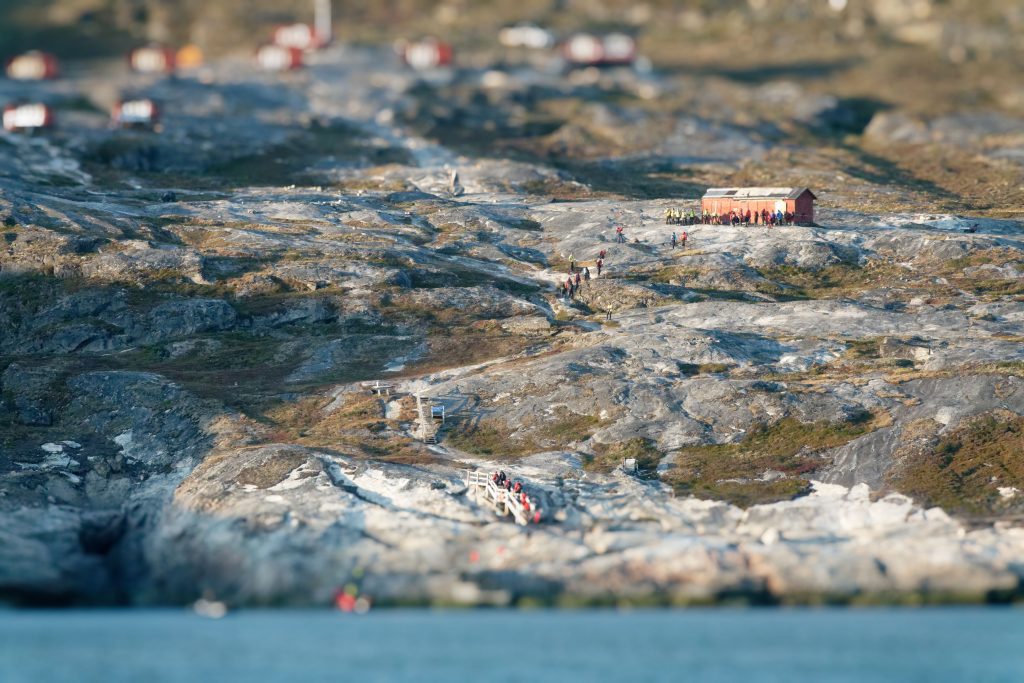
(773, 461)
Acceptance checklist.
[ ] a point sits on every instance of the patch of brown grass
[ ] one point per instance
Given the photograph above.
(963, 470)
(732, 472)
(271, 472)
(495, 438)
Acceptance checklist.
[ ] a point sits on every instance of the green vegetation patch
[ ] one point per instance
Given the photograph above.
(495, 438)
(704, 368)
(831, 282)
(359, 428)
(683, 274)
(735, 472)
(964, 471)
(609, 456)
(868, 348)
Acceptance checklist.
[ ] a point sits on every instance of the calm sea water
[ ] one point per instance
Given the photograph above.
(928, 645)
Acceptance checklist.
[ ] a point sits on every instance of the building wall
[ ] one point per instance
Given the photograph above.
(803, 206)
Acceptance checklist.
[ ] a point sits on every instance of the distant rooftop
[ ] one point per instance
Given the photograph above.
(756, 192)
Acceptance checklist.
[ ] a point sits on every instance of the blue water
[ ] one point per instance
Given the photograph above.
(927, 645)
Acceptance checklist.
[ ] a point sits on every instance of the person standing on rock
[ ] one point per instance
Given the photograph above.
(673, 239)
(572, 263)
(685, 235)
(600, 263)
(586, 276)
(577, 282)
(601, 254)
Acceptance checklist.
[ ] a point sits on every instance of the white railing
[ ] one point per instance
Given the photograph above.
(503, 501)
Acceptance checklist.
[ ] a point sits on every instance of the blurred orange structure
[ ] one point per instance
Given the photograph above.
(189, 57)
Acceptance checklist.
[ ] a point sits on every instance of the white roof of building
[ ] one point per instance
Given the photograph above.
(755, 192)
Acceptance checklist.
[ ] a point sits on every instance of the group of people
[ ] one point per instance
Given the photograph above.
(572, 285)
(578, 277)
(678, 217)
(682, 238)
(763, 217)
(518, 491)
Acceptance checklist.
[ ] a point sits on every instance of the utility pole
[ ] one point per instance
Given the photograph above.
(322, 21)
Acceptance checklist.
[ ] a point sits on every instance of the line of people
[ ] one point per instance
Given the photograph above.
(516, 489)
(678, 217)
(763, 217)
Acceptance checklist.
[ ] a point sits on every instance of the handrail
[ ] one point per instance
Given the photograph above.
(503, 502)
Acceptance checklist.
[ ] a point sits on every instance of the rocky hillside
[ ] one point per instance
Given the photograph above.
(827, 413)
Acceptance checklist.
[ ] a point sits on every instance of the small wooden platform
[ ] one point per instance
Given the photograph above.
(378, 387)
(501, 501)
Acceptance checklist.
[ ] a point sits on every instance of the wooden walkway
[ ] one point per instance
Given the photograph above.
(501, 501)
(430, 419)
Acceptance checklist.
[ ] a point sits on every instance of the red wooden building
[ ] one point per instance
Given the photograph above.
(798, 201)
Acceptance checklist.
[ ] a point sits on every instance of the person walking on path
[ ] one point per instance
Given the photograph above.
(673, 239)
(619, 237)
(586, 276)
(572, 263)
(600, 263)
(577, 282)
(601, 254)
(684, 236)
